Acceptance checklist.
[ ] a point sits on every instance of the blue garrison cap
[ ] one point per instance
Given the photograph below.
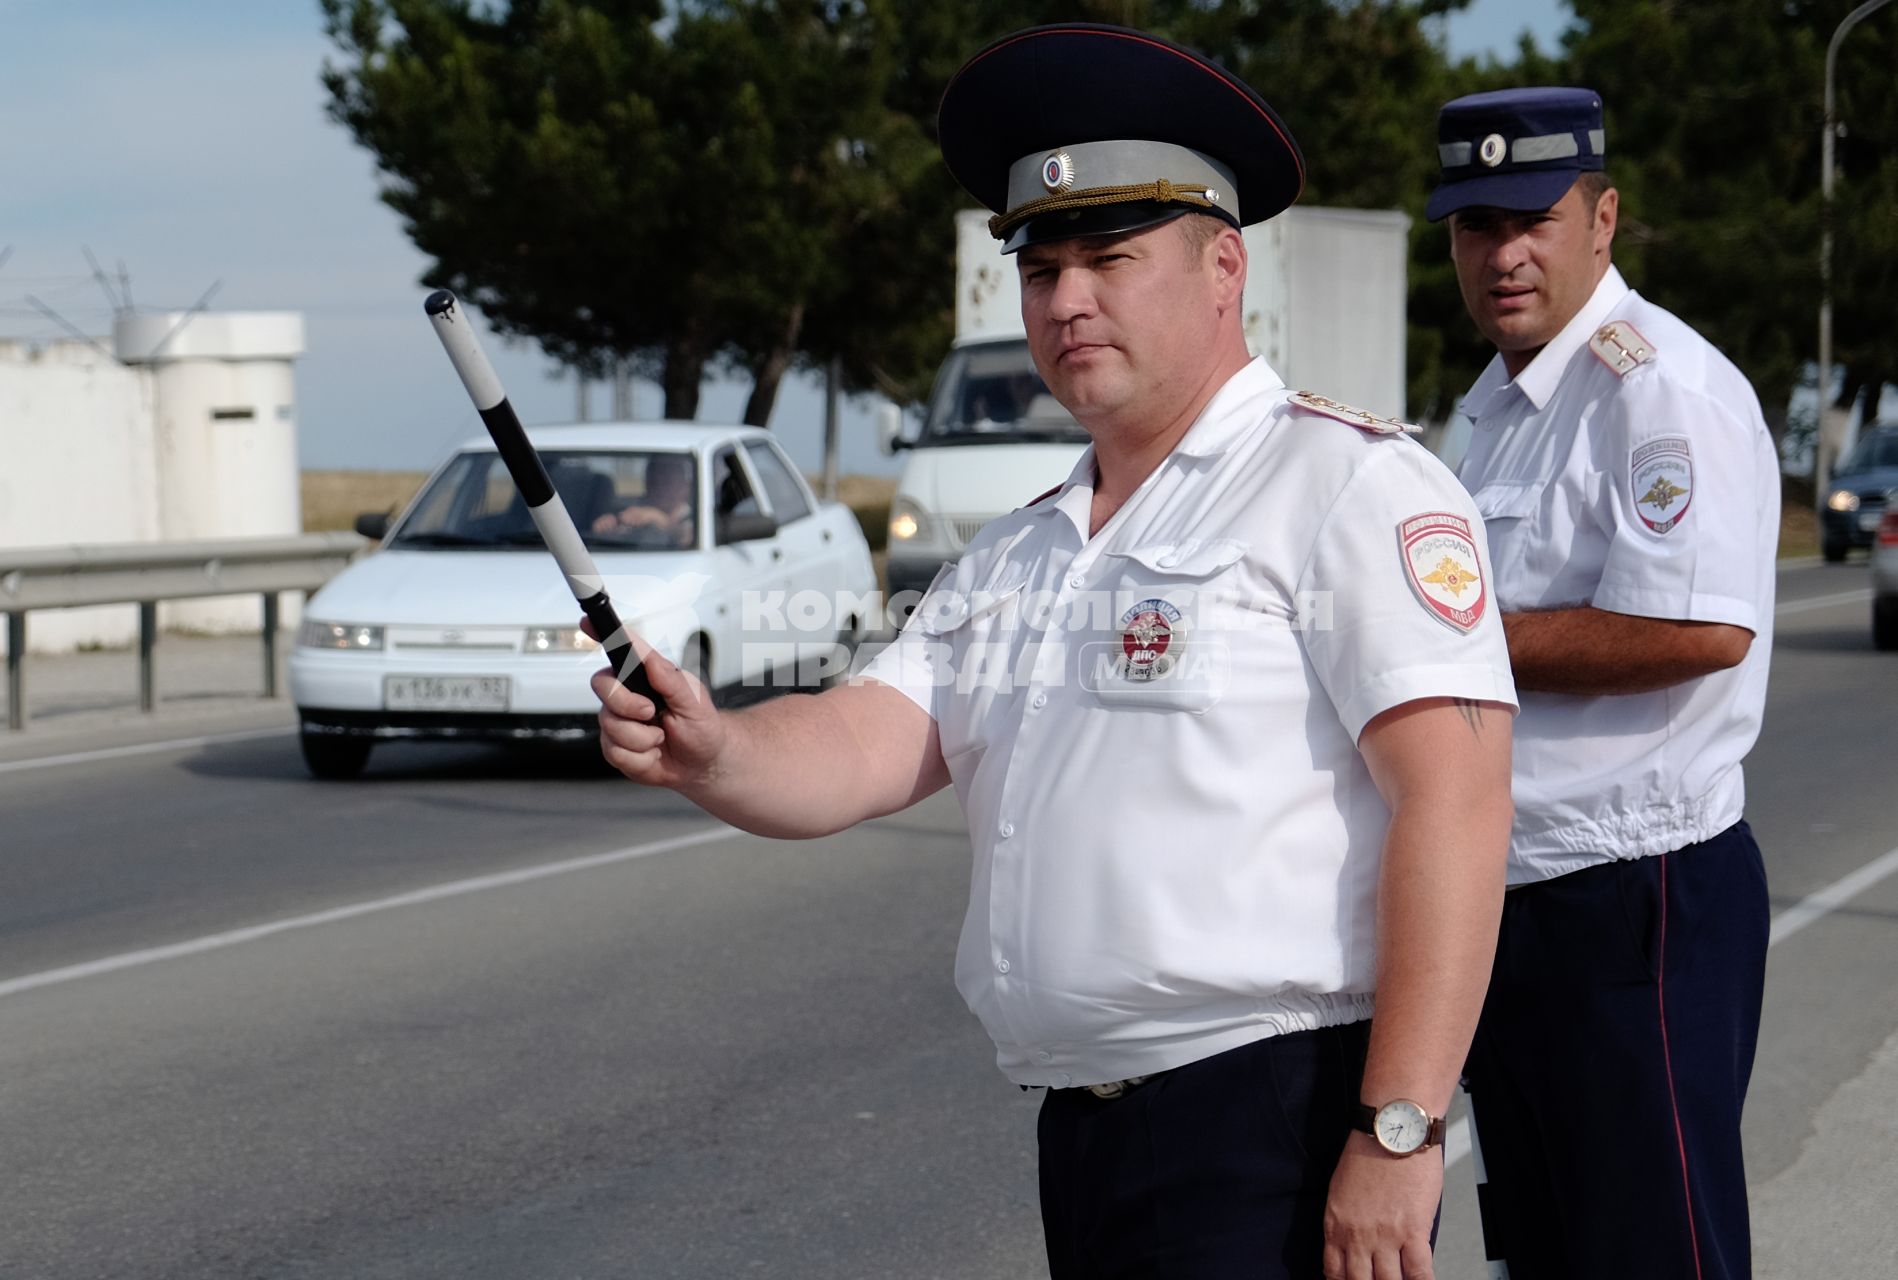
(1082, 129)
(1519, 149)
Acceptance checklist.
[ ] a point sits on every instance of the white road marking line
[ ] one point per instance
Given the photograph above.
(416, 897)
(1861, 596)
(1456, 1139)
(1831, 898)
(141, 749)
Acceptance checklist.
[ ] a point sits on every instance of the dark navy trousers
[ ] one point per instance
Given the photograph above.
(1611, 1062)
(1213, 1171)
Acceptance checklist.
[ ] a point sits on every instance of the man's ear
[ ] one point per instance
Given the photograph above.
(1607, 216)
(1228, 251)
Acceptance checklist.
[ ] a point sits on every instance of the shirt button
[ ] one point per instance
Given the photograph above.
(1041, 700)
(1008, 829)
(1077, 582)
(1001, 966)
(1042, 1055)
(1062, 1080)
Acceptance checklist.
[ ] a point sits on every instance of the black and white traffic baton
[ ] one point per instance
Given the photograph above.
(537, 490)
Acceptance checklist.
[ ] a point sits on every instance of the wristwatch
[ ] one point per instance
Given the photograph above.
(1401, 1127)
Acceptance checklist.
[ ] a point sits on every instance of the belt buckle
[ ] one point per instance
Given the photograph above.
(1116, 1088)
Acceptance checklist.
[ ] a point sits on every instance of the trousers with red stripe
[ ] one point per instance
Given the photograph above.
(1609, 1069)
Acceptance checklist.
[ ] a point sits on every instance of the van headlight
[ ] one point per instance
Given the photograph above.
(338, 635)
(908, 522)
(1843, 500)
(558, 640)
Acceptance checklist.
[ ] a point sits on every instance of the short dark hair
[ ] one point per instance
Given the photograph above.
(1197, 230)
(1591, 184)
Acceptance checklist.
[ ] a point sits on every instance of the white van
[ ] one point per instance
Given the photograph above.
(1324, 303)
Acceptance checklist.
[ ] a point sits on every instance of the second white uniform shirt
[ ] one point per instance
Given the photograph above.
(1628, 467)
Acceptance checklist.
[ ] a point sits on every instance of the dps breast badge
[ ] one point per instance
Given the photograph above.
(1152, 638)
(1439, 551)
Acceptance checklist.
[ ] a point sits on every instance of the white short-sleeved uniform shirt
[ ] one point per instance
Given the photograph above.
(1153, 732)
(1640, 479)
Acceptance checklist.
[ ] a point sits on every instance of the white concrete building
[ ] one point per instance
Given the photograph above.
(187, 431)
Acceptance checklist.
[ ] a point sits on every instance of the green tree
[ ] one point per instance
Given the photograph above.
(1714, 114)
(674, 187)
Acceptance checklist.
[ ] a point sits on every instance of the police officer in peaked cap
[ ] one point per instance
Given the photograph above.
(1228, 715)
(1631, 493)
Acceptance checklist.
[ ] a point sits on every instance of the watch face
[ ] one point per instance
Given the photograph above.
(1402, 1126)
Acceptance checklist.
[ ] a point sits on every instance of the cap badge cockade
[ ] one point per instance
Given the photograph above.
(1057, 171)
(1492, 150)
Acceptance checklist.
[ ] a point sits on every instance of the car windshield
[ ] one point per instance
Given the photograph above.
(1874, 451)
(619, 500)
(990, 393)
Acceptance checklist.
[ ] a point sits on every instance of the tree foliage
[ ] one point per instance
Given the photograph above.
(754, 185)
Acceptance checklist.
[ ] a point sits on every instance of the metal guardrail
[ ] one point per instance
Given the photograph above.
(144, 573)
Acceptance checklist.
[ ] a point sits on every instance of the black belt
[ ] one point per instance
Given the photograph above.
(1109, 1089)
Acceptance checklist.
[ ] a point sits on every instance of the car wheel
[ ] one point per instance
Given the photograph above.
(334, 757)
(1834, 549)
(1885, 623)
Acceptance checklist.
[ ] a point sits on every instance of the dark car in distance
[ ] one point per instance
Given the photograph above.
(1856, 500)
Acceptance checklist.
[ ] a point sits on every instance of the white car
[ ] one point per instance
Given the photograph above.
(461, 625)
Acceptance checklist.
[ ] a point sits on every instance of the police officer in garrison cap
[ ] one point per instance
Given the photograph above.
(1631, 494)
(1227, 714)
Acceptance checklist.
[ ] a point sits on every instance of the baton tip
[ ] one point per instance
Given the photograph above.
(439, 302)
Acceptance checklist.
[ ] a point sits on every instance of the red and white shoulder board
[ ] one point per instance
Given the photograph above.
(1439, 553)
(1362, 419)
(1661, 472)
(1620, 346)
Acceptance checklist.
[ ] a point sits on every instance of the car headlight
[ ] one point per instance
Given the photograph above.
(558, 640)
(908, 523)
(338, 635)
(1843, 500)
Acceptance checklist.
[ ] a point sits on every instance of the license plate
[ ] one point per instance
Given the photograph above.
(445, 693)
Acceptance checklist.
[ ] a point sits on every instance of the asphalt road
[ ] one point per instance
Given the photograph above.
(485, 1014)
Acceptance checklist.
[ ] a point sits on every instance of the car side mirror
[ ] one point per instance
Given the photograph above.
(750, 527)
(890, 429)
(373, 525)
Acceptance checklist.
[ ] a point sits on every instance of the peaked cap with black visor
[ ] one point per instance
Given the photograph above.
(1081, 129)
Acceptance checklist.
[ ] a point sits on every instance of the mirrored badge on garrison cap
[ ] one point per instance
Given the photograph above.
(1439, 553)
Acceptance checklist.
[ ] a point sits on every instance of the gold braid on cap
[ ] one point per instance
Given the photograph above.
(1161, 191)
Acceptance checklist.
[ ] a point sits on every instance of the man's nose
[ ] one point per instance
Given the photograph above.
(1510, 251)
(1073, 294)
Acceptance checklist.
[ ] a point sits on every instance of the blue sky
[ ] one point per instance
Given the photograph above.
(187, 140)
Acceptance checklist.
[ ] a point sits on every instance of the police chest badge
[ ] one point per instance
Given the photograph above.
(1439, 552)
(1662, 473)
(1152, 638)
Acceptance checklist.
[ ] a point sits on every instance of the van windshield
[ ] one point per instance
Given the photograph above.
(989, 393)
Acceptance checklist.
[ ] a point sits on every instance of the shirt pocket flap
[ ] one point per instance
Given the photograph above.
(1506, 501)
(943, 611)
(1196, 558)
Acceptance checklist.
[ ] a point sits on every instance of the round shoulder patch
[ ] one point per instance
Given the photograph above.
(1439, 554)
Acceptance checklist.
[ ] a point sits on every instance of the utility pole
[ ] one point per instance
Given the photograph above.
(1821, 453)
